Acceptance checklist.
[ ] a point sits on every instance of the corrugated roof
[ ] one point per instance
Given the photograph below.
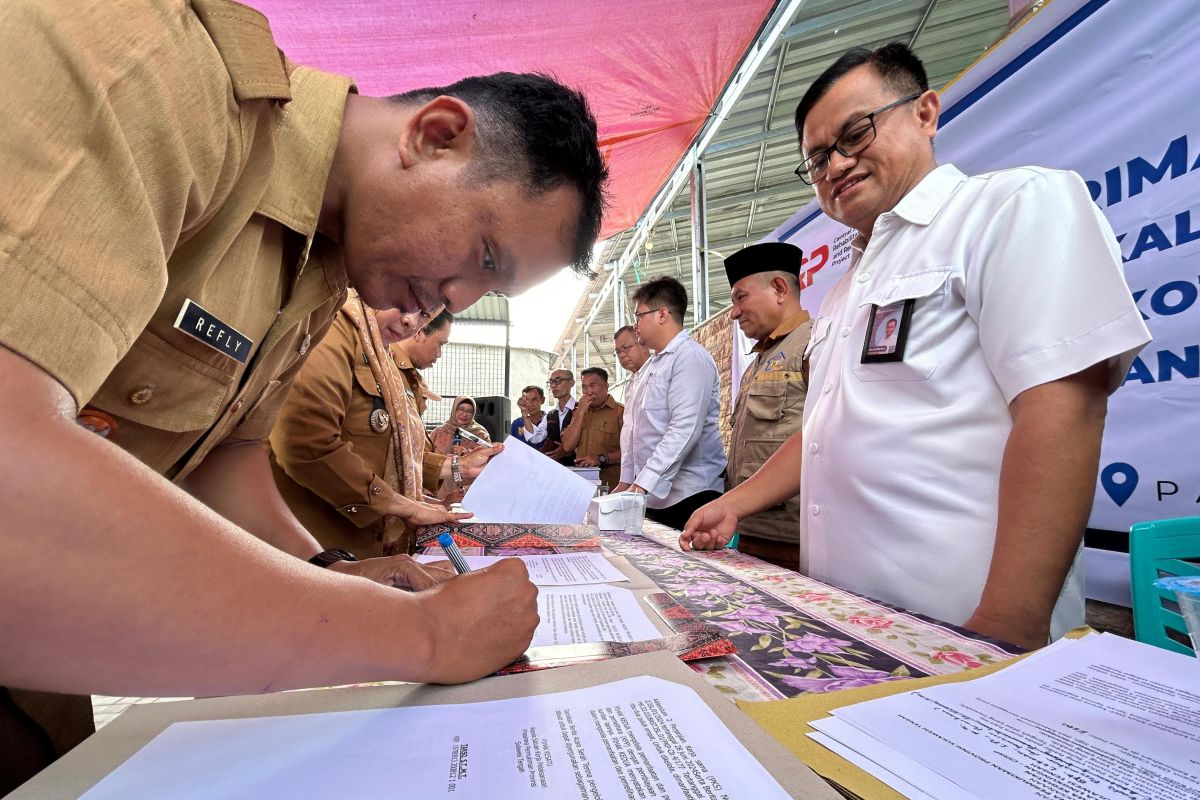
(750, 186)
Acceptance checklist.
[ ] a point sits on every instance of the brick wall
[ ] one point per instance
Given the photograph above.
(716, 335)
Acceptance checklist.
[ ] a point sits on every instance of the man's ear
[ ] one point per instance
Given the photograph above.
(780, 285)
(929, 107)
(443, 127)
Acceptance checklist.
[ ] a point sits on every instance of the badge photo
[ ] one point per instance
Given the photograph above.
(887, 332)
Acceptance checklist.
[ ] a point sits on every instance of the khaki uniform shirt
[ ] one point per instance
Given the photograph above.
(769, 409)
(158, 221)
(158, 227)
(602, 434)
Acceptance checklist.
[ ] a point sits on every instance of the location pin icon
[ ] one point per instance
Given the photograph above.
(1119, 480)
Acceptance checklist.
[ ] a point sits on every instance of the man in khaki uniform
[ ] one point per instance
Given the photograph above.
(595, 430)
(183, 209)
(765, 290)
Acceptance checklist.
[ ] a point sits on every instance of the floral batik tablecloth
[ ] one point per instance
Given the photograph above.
(795, 634)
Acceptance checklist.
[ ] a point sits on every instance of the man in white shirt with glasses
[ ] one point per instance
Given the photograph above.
(675, 456)
(951, 472)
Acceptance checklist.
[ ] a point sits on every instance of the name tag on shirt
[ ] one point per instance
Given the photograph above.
(887, 332)
(220, 336)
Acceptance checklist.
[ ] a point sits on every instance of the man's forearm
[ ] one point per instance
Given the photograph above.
(201, 606)
(1047, 482)
(777, 480)
(235, 481)
(573, 432)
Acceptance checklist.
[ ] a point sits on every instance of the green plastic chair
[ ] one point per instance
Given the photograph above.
(1161, 549)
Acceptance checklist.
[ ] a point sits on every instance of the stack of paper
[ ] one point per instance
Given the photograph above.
(1100, 717)
(522, 485)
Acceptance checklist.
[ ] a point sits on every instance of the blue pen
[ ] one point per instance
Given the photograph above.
(453, 553)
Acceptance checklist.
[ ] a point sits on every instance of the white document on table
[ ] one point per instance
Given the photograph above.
(522, 485)
(1103, 717)
(640, 737)
(906, 776)
(551, 569)
(579, 614)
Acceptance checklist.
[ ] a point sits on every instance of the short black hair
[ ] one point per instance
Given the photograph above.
(537, 389)
(895, 62)
(599, 372)
(437, 323)
(664, 292)
(627, 329)
(533, 130)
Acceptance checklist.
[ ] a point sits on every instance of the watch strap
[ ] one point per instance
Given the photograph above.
(327, 557)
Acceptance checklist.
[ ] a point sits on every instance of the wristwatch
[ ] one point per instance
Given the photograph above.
(603, 459)
(456, 472)
(327, 557)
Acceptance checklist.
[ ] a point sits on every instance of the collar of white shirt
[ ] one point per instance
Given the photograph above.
(676, 342)
(922, 204)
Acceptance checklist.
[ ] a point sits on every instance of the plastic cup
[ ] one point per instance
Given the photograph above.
(1187, 592)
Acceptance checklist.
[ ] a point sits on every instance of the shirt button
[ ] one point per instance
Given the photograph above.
(828, 388)
(814, 448)
(304, 343)
(236, 407)
(816, 510)
(845, 332)
(142, 394)
(374, 490)
(866, 276)
(353, 509)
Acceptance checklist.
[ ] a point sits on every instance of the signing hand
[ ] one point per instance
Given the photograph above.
(473, 463)
(399, 571)
(482, 621)
(709, 528)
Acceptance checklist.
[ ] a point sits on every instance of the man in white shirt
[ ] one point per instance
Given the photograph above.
(630, 352)
(954, 474)
(632, 355)
(675, 456)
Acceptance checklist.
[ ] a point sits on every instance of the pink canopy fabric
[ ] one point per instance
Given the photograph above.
(652, 69)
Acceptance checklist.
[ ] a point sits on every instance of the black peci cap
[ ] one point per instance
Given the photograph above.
(763, 257)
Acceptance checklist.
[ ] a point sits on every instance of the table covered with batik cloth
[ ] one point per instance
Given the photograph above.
(794, 634)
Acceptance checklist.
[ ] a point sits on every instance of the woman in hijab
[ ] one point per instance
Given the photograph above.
(446, 438)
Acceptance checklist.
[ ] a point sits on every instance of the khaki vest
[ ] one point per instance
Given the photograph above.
(769, 409)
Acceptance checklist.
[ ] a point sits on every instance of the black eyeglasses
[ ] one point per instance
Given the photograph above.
(639, 314)
(556, 381)
(857, 137)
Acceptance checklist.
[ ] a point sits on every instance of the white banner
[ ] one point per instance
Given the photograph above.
(1107, 89)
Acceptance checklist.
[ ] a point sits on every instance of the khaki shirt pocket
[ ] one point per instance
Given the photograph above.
(610, 435)
(765, 399)
(167, 388)
(358, 414)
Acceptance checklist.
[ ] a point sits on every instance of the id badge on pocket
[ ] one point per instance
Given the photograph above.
(887, 332)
